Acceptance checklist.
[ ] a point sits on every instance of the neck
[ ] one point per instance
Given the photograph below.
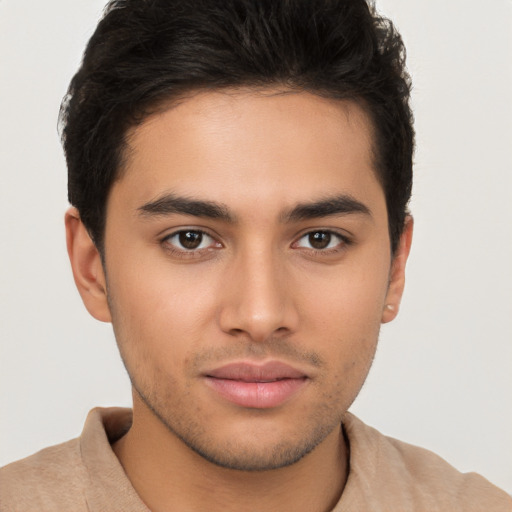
(168, 475)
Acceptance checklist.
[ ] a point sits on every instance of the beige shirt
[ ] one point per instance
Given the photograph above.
(386, 475)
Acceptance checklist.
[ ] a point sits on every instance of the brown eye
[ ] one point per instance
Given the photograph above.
(190, 239)
(319, 239)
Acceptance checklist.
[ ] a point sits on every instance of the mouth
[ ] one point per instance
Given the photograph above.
(256, 386)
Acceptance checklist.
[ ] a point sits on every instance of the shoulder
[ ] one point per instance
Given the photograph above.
(407, 476)
(52, 479)
(436, 482)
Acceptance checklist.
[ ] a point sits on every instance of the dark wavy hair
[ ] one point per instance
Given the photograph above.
(145, 53)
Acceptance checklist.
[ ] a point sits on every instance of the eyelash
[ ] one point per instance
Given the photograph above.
(344, 242)
(189, 253)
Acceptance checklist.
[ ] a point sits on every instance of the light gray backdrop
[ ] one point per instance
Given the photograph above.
(442, 377)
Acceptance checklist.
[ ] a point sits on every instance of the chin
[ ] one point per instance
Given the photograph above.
(240, 456)
(257, 446)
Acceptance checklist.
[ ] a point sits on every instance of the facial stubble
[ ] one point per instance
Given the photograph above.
(317, 422)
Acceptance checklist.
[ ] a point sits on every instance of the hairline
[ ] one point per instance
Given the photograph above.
(172, 100)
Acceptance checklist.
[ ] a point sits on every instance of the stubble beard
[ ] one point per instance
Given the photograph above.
(233, 455)
(167, 404)
(176, 409)
(178, 412)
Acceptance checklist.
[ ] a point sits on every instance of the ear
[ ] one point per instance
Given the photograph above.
(397, 273)
(87, 267)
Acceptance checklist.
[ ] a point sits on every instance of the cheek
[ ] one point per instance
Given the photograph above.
(164, 311)
(344, 315)
(347, 300)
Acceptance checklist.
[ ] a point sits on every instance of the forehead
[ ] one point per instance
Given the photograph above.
(248, 147)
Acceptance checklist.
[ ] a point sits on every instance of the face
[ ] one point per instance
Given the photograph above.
(247, 268)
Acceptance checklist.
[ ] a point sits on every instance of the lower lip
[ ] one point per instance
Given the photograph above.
(257, 395)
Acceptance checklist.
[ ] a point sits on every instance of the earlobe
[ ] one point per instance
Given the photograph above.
(87, 267)
(397, 274)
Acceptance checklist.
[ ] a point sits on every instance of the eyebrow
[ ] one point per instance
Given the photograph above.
(338, 205)
(170, 203)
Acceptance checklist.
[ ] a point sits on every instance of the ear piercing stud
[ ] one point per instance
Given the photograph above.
(390, 307)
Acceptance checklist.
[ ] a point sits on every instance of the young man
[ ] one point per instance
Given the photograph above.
(239, 173)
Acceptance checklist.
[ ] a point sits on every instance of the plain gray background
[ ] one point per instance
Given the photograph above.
(442, 377)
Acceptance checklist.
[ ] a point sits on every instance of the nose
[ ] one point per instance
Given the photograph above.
(257, 298)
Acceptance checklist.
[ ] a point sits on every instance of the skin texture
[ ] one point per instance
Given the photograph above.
(255, 291)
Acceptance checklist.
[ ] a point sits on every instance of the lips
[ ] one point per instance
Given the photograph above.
(256, 386)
